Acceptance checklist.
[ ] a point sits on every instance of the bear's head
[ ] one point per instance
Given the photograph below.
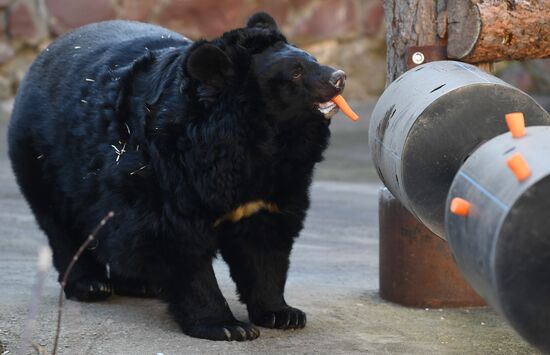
(257, 66)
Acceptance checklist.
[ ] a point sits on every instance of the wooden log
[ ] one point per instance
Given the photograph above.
(492, 30)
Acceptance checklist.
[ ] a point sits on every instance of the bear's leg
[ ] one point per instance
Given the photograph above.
(87, 280)
(258, 252)
(198, 305)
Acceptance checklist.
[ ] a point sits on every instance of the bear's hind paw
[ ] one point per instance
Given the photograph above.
(88, 290)
(228, 331)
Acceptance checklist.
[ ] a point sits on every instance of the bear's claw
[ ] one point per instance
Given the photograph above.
(88, 290)
(286, 318)
(237, 331)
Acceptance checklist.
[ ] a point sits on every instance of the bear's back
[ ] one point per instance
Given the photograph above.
(75, 81)
(81, 64)
(113, 32)
(93, 47)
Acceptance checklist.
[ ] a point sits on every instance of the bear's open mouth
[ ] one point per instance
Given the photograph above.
(328, 109)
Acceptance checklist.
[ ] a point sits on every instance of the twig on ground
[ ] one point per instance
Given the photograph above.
(77, 255)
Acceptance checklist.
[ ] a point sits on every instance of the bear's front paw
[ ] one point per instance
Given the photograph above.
(286, 318)
(88, 290)
(228, 331)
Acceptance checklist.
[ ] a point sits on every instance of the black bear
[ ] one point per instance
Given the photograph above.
(198, 147)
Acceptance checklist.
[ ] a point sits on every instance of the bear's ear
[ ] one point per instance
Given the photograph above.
(262, 20)
(210, 65)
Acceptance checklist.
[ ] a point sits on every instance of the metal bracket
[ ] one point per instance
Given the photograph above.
(417, 55)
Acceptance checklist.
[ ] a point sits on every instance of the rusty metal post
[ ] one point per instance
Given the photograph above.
(416, 266)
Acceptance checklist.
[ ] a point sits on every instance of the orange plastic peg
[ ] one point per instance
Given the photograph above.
(516, 124)
(519, 166)
(343, 105)
(460, 206)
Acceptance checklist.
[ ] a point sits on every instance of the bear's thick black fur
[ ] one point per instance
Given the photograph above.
(172, 136)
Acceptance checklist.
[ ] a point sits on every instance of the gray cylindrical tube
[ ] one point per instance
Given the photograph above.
(503, 245)
(429, 120)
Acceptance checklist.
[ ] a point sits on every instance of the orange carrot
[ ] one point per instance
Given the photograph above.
(343, 105)
(460, 207)
(519, 166)
(516, 124)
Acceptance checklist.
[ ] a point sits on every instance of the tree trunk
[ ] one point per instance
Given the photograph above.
(411, 23)
(491, 30)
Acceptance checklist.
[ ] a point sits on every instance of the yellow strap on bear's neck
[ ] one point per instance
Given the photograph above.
(247, 210)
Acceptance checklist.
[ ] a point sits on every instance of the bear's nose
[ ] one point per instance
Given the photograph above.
(338, 80)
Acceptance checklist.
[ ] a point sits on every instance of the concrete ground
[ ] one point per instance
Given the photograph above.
(333, 277)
